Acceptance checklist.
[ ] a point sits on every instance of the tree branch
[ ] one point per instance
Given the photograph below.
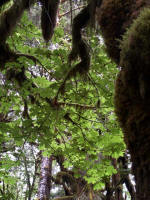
(66, 13)
(65, 198)
(10, 17)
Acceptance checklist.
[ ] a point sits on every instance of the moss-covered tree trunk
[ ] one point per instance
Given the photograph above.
(132, 100)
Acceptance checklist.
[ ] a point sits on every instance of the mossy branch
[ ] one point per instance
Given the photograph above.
(10, 17)
(64, 174)
(8, 21)
(76, 105)
(79, 47)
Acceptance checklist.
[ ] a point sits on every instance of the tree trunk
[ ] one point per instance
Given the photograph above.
(115, 180)
(123, 165)
(45, 179)
(132, 100)
(137, 139)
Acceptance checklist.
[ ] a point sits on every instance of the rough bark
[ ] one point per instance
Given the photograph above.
(45, 179)
(132, 100)
(115, 180)
(114, 17)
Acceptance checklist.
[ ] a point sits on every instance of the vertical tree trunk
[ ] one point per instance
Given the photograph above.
(136, 128)
(45, 178)
(132, 100)
(115, 180)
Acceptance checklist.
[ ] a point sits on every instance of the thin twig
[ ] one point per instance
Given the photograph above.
(34, 59)
(81, 106)
(62, 15)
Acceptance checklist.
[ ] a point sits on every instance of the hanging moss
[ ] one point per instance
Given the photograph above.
(11, 16)
(48, 17)
(79, 46)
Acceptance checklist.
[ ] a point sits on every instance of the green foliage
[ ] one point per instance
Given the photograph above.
(86, 136)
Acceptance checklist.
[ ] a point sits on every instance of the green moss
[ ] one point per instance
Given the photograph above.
(135, 47)
(132, 93)
(113, 17)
